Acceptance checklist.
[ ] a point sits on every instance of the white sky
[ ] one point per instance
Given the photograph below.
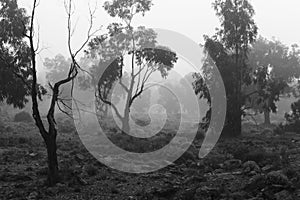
(193, 18)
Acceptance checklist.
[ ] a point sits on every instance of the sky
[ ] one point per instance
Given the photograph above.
(193, 18)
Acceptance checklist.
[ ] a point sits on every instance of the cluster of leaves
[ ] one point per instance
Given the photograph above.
(15, 61)
(120, 8)
(274, 67)
(293, 118)
(13, 52)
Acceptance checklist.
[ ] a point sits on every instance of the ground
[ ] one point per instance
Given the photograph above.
(258, 165)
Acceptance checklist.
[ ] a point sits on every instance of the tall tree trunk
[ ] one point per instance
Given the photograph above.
(267, 117)
(237, 119)
(53, 176)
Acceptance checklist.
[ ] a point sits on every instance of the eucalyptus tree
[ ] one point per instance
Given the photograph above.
(146, 57)
(238, 30)
(275, 67)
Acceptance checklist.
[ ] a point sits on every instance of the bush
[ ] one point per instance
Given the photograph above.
(293, 118)
(23, 117)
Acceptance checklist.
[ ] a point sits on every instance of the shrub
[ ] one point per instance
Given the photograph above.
(293, 118)
(23, 117)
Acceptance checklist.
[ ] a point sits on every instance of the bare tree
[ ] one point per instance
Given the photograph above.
(49, 135)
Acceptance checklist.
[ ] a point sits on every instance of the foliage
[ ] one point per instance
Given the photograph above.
(238, 26)
(23, 116)
(293, 118)
(229, 51)
(146, 58)
(225, 64)
(128, 8)
(274, 67)
(14, 54)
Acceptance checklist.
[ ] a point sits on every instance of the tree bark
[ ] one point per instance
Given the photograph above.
(267, 117)
(237, 119)
(125, 121)
(53, 176)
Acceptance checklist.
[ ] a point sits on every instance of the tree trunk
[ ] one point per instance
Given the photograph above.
(53, 176)
(237, 119)
(125, 122)
(267, 117)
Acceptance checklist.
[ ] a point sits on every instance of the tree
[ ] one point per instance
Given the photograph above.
(220, 57)
(275, 67)
(146, 57)
(15, 75)
(237, 33)
(19, 38)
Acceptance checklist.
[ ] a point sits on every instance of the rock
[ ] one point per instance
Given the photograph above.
(218, 171)
(13, 177)
(283, 195)
(194, 179)
(187, 193)
(251, 167)
(256, 183)
(267, 132)
(238, 195)
(60, 185)
(267, 168)
(33, 155)
(33, 196)
(90, 170)
(9, 129)
(79, 157)
(207, 190)
(278, 178)
(166, 192)
(232, 164)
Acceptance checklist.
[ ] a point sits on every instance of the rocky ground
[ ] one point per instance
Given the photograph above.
(258, 165)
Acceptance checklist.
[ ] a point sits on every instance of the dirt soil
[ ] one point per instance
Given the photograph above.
(257, 165)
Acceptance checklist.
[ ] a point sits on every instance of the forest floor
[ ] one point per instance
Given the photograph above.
(257, 165)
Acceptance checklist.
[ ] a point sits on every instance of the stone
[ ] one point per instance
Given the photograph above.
(251, 166)
(278, 178)
(283, 195)
(33, 196)
(232, 164)
(267, 168)
(256, 183)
